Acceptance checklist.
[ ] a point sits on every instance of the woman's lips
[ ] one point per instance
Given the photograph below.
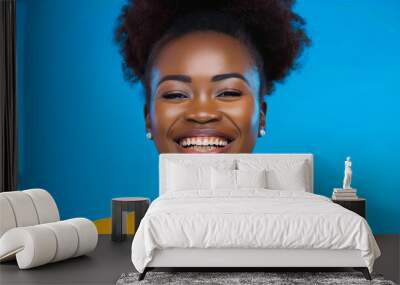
(203, 144)
(204, 141)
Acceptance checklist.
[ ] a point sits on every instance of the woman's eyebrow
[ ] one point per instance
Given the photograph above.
(188, 79)
(219, 77)
(177, 77)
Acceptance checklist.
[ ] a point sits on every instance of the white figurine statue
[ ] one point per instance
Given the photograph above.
(347, 173)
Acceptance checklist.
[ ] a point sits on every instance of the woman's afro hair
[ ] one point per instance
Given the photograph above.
(273, 32)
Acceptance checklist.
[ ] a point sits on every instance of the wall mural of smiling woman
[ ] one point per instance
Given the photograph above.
(206, 67)
(82, 127)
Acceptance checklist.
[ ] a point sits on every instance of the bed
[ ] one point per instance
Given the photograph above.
(247, 211)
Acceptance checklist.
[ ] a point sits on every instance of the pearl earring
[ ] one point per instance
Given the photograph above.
(262, 132)
(149, 136)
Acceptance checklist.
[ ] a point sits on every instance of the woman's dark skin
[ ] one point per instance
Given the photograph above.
(205, 96)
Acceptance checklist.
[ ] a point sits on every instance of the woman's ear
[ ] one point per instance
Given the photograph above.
(147, 118)
(263, 115)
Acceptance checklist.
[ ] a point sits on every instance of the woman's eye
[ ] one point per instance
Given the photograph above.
(230, 94)
(175, 95)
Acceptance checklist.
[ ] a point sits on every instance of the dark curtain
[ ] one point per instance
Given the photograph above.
(8, 112)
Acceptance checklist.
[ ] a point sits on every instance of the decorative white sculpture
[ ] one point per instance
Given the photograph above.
(347, 173)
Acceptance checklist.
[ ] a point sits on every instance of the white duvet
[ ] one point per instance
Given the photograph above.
(251, 218)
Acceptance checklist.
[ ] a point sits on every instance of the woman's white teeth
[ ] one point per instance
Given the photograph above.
(203, 141)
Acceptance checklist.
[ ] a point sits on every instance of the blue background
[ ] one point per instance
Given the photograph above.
(81, 127)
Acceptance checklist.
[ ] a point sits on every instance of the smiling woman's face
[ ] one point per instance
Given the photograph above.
(204, 96)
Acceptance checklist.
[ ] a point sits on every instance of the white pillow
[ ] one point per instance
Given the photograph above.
(281, 174)
(182, 178)
(289, 179)
(189, 175)
(236, 179)
(251, 178)
(223, 179)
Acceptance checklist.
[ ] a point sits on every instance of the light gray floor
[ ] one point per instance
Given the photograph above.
(111, 259)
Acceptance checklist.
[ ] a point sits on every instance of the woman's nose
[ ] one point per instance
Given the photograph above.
(203, 111)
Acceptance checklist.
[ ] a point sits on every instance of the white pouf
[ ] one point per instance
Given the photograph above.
(31, 233)
(37, 245)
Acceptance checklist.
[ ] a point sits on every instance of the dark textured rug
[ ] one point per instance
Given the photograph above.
(269, 278)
